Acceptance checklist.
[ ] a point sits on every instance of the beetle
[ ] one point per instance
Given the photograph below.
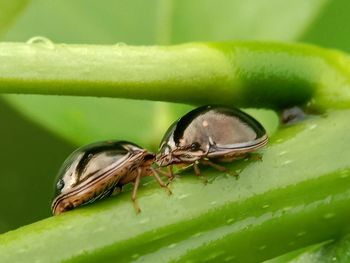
(97, 170)
(210, 133)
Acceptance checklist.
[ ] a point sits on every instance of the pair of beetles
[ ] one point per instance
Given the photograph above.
(202, 136)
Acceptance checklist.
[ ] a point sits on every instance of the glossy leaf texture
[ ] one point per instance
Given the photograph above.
(296, 194)
(139, 22)
(330, 251)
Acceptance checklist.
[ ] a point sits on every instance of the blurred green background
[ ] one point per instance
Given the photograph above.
(38, 132)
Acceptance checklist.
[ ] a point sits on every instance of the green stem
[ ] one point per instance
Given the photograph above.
(245, 74)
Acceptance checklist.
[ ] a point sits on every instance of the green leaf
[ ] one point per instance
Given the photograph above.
(9, 11)
(295, 194)
(330, 22)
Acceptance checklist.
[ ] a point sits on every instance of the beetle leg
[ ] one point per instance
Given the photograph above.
(219, 167)
(255, 156)
(197, 171)
(170, 172)
(169, 175)
(117, 189)
(160, 182)
(134, 191)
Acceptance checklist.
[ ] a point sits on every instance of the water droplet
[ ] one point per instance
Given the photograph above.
(197, 234)
(286, 208)
(291, 243)
(135, 256)
(262, 247)
(68, 227)
(334, 258)
(216, 254)
(344, 174)
(42, 41)
(301, 233)
(229, 221)
(146, 183)
(183, 196)
(121, 44)
(229, 258)
(282, 153)
(265, 206)
(99, 229)
(313, 126)
(286, 162)
(172, 245)
(329, 216)
(144, 221)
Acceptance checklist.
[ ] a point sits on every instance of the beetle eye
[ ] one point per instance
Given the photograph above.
(195, 146)
(60, 185)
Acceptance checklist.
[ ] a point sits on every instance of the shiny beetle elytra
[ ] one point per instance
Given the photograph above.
(210, 133)
(96, 170)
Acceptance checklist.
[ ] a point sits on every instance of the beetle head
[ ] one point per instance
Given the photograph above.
(182, 152)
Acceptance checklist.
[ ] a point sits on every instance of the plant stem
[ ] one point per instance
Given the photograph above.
(245, 74)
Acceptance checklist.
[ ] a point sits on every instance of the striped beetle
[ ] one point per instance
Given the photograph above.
(97, 170)
(210, 133)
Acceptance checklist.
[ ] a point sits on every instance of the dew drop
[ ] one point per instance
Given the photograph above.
(286, 162)
(99, 229)
(265, 206)
(286, 208)
(329, 216)
(135, 256)
(262, 247)
(344, 174)
(229, 258)
(197, 234)
(21, 250)
(42, 41)
(280, 140)
(183, 196)
(144, 221)
(172, 245)
(292, 243)
(229, 221)
(121, 44)
(282, 153)
(301, 233)
(313, 126)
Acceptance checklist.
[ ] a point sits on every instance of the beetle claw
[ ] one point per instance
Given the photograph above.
(204, 179)
(137, 207)
(255, 157)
